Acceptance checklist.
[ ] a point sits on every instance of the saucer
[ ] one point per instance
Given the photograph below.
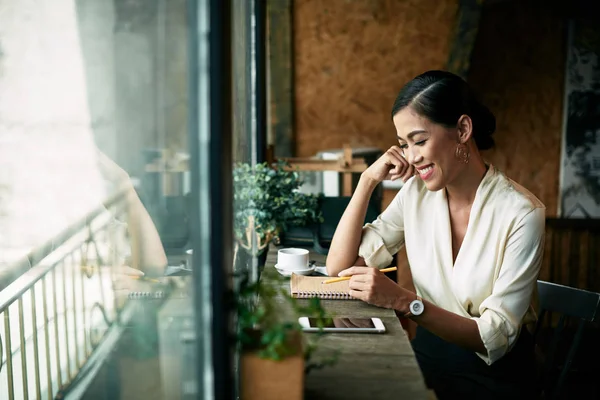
(288, 272)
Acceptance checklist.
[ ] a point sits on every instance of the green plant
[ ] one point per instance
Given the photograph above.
(264, 326)
(267, 202)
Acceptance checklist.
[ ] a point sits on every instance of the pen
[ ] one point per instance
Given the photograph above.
(345, 278)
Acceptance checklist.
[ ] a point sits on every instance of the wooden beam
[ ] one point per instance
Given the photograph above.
(463, 37)
(358, 165)
(347, 183)
(346, 164)
(280, 76)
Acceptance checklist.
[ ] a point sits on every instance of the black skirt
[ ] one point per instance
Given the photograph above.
(456, 373)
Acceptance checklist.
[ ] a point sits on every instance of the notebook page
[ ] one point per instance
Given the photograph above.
(310, 286)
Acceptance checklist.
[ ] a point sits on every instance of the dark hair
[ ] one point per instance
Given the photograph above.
(443, 97)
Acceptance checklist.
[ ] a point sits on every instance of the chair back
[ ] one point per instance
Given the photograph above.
(569, 305)
(572, 253)
(318, 236)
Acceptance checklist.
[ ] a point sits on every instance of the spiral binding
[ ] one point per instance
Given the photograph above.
(324, 295)
(157, 295)
(145, 295)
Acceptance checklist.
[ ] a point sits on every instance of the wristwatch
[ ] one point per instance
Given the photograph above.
(416, 307)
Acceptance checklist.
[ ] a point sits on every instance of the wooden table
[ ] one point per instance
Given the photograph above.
(370, 366)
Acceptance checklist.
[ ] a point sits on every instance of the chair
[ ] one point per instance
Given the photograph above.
(570, 304)
(318, 236)
(571, 253)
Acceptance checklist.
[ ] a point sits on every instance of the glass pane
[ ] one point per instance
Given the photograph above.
(249, 136)
(99, 121)
(249, 124)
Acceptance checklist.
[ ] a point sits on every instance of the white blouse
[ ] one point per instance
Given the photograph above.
(495, 272)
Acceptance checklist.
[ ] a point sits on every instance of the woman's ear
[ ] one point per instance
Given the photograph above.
(465, 128)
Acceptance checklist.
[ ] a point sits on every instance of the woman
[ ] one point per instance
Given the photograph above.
(473, 237)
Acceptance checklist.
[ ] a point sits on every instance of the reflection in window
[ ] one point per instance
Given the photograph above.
(93, 106)
(47, 151)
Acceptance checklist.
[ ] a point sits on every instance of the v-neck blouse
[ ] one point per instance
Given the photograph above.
(495, 272)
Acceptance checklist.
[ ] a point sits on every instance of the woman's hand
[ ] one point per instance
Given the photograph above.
(390, 166)
(113, 172)
(372, 286)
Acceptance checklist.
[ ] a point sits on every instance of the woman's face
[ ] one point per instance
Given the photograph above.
(429, 147)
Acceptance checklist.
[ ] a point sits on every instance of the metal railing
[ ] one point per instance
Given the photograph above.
(56, 313)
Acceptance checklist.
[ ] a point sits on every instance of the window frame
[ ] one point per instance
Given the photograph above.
(210, 139)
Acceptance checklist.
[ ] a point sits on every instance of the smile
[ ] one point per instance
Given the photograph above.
(425, 173)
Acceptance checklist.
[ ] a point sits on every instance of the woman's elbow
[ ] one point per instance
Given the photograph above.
(333, 265)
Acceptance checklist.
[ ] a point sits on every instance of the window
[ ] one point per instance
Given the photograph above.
(116, 153)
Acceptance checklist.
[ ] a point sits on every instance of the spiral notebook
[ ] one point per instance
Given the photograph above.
(305, 287)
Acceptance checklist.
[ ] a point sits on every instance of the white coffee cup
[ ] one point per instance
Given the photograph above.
(292, 259)
(188, 261)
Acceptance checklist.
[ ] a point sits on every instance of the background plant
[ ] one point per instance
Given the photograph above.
(262, 328)
(267, 201)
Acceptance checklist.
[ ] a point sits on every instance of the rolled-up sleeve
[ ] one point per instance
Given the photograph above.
(502, 312)
(382, 238)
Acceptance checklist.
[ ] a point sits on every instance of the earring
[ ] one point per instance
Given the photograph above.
(462, 153)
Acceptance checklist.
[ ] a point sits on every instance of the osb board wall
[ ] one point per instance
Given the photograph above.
(351, 59)
(518, 68)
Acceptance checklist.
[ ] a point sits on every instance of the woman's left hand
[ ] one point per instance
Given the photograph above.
(372, 286)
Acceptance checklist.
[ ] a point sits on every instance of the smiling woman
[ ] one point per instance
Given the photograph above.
(473, 237)
(437, 116)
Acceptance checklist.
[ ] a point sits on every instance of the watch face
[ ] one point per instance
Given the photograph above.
(416, 307)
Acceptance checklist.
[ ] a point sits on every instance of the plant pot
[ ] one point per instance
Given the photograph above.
(263, 379)
(243, 261)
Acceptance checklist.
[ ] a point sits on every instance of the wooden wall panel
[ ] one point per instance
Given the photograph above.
(352, 56)
(351, 59)
(518, 69)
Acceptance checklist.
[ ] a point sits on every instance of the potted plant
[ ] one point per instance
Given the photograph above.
(274, 355)
(266, 202)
